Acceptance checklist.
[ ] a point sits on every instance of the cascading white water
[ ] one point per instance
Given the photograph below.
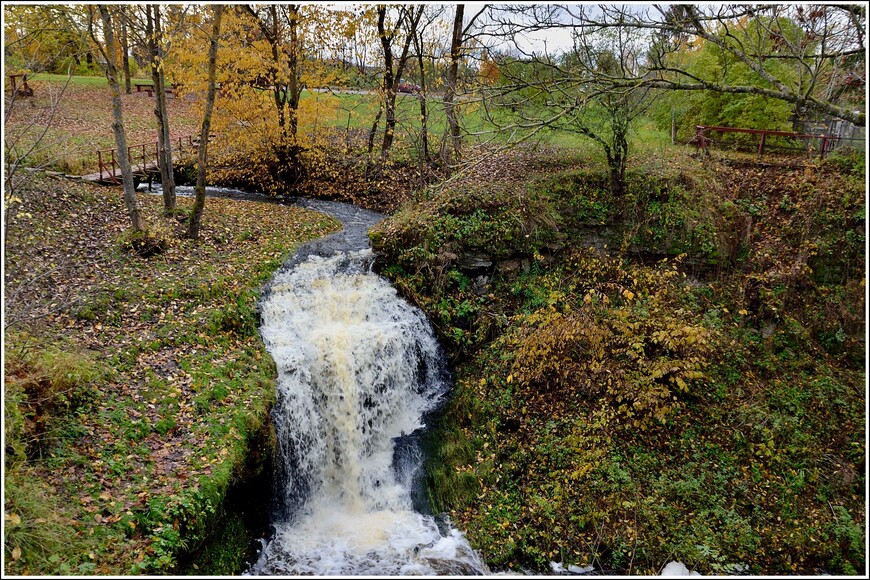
(358, 369)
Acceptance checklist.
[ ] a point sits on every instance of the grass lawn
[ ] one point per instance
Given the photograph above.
(91, 81)
(82, 122)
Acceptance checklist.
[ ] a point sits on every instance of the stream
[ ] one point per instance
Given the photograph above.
(359, 373)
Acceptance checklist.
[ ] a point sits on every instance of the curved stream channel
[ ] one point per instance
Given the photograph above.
(359, 374)
(359, 369)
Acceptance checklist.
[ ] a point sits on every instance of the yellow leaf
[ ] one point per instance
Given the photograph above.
(510, 379)
(16, 553)
(742, 312)
(13, 519)
(628, 294)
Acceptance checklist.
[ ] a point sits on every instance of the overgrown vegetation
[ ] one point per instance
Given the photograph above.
(135, 387)
(678, 375)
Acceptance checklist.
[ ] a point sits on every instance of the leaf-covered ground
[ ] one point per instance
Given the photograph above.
(134, 387)
(79, 120)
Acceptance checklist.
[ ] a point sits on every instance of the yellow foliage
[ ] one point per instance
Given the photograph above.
(263, 129)
(627, 348)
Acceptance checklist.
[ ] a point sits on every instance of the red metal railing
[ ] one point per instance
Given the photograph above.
(827, 141)
(139, 156)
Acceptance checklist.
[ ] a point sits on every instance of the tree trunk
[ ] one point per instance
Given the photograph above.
(616, 160)
(389, 83)
(279, 93)
(391, 78)
(125, 51)
(293, 62)
(373, 131)
(202, 161)
(118, 121)
(424, 116)
(164, 141)
(452, 136)
(389, 124)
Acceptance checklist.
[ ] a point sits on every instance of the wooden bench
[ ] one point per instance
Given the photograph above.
(24, 90)
(149, 88)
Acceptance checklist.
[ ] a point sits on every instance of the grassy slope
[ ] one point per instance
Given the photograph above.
(719, 422)
(133, 386)
(83, 120)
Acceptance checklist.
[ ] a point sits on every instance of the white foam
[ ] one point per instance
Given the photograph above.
(677, 569)
(358, 368)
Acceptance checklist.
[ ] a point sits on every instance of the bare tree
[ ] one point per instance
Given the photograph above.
(571, 91)
(202, 161)
(453, 136)
(156, 53)
(408, 19)
(817, 49)
(18, 151)
(432, 14)
(125, 49)
(148, 25)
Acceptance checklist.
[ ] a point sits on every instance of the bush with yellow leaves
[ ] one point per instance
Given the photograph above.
(622, 343)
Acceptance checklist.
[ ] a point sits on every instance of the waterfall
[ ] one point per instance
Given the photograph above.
(358, 371)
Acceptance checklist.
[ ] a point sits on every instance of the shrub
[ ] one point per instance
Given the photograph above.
(622, 343)
(146, 243)
(500, 219)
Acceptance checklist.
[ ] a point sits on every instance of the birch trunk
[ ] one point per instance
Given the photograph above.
(164, 141)
(118, 122)
(202, 162)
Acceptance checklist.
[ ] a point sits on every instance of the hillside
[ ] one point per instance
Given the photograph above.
(672, 375)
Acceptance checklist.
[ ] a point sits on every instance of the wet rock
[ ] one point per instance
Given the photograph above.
(475, 261)
(510, 266)
(453, 568)
(481, 285)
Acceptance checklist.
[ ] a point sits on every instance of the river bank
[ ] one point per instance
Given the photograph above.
(719, 424)
(136, 388)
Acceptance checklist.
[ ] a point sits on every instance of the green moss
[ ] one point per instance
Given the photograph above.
(224, 551)
(501, 219)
